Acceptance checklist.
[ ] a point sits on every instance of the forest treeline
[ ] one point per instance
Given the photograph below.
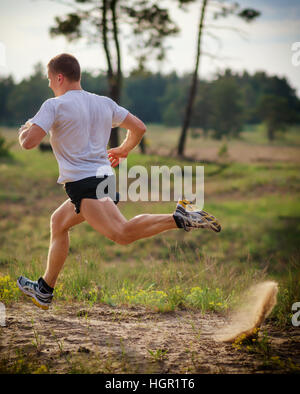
(222, 106)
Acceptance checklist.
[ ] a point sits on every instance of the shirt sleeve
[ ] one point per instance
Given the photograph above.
(118, 113)
(45, 117)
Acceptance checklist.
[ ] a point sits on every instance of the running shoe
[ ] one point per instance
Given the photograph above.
(34, 289)
(188, 216)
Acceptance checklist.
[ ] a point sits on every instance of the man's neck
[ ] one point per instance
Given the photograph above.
(70, 87)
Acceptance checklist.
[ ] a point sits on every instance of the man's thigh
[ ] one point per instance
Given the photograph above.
(65, 216)
(103, 215)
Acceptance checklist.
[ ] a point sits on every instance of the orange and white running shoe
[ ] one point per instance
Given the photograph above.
(36, 291)
(188, 216)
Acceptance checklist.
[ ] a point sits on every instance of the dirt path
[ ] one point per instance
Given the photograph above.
(77, 338)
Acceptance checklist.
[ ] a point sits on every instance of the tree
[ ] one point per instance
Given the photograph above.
(6, 86)
(91, 19)
(172, 102)
(145, 106)
(204, 107)
(145, 88)
(94, 83)
(225, 9)
(25, 98)
(193, 88)
(227, 111)
(276, 113)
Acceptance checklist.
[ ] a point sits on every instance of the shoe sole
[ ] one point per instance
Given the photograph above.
(37, 303)
(213, 224)
(33, 298)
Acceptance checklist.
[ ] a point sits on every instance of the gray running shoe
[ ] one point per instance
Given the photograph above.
(33, 290)
(188, 216)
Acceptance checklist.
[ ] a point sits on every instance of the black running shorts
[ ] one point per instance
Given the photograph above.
(86, 188)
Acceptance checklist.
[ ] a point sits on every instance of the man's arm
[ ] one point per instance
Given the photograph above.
(30, 135)
(136, 129)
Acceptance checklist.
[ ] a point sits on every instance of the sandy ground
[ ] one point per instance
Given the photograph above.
(78, 338)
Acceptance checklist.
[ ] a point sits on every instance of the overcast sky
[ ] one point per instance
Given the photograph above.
(265, 44)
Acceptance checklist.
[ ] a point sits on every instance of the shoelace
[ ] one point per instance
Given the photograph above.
(32, 285)
(195, 219)
(36, 288)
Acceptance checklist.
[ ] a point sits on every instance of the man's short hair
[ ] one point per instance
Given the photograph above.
(65, 64)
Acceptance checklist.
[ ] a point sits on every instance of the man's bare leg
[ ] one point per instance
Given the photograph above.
(105, 217)
(62, 220)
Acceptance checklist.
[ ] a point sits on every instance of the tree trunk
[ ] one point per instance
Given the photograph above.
(270, 133)
(118, 77)
(193, 89)
(105, 40)
(143, 146)
(114, 95)
(114, 81)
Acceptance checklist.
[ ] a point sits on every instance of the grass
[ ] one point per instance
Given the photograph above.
(257, 134)
(158, 354)
(257, 203)
(21, 363)
(261, 347)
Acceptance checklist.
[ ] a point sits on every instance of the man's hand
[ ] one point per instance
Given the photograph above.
(116, 155)
(135, 131)
(24, 127)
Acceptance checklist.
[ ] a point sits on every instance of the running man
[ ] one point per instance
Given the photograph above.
(79, 124)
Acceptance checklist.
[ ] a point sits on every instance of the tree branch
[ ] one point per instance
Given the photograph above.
(231, 28)
(116, 37)
(218, 39)
(104, 37)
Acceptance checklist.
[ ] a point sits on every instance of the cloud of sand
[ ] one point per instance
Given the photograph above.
(255, 306)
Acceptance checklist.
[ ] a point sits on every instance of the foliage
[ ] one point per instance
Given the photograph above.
(6, 86)
(222, 105)
(5, 148)
(207, 299)
(149, 24)
(26, 97)
(172, 271)
(141, 90)
(275, 112)
(227, 116)
(8, 289)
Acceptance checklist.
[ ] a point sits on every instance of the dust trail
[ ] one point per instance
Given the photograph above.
(255, 306)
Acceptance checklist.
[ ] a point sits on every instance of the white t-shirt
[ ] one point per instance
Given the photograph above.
(79, 124)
